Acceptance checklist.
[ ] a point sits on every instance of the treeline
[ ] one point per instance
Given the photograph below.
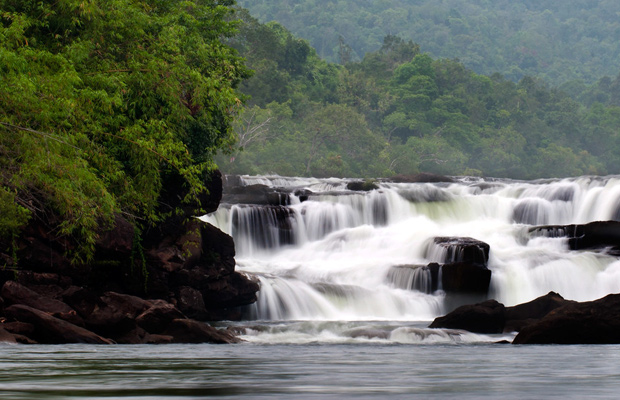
(110, 108)
(400, 111)
(558, 41)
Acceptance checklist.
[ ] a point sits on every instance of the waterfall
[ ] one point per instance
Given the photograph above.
(335, 254)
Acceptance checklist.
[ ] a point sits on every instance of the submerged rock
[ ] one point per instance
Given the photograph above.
(362, 186)
(594, 235)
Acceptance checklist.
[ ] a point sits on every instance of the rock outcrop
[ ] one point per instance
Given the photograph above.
(591, 322)
(138, 289)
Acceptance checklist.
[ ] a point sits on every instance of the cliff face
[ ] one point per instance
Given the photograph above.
(155, 287)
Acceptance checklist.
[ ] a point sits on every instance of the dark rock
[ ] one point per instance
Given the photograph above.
(157, 318)
(485, 317)
(256, 194)
(82, 300)
(190, 331)
(6, 337)
(464, 277)
(19, 328)
(51, 330)
(524, 314)
(461, 249)
(594, 235)
(15, 293)
(592, 322)
(116, 313)
(237, 290)
(362, 186)
(191, 303)
(303, 194)
(117, 242)
(423, 177)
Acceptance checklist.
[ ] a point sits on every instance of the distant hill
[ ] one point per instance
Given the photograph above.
(558, 41)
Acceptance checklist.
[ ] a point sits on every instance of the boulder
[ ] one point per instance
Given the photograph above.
(190, 302)
(191, 331)
(525, 314)
(422, 177)
(594, 235)
(486, 317)
(362, 186)
(592, 322)
(51, 330)
(15, 293)
(465, 278)
(6, 337)
(459, 249)
(157, 318)
(256, 194)
(116, 313)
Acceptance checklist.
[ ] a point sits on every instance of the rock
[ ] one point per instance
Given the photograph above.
(19, 328)
(117, 242)
(116, 313)
(524, 314)
(6, 337)
(191, 331)
(191, 303)
(485, 317)
(423, 177)
(458, 249)
(256, 194)
(51, 330)
(362, 186)
(15, 293)
(157, 318)
(465, 277)
(592, 322)
(303, 194)
(595, 235)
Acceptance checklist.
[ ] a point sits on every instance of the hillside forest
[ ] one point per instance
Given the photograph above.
(400, 110)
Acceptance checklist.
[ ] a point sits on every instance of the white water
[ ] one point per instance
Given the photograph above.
(333, 261)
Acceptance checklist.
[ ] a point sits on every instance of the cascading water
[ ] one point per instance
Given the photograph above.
(338, 255)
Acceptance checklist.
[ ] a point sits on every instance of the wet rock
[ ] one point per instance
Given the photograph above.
(303, 194)
(423, 177)
(362, 186)
(191, 331)
(256, 194)
(525, 314)
(459, 249)
(190, 302)
(594, 235)
(6, 337)
(116, 313)
(592, 322)
(486, 317)
(51, 330)
(15, 293)
(465, 278)
(157, 318)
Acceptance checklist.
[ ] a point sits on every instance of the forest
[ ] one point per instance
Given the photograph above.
(558, 41)
(106, 106)
(114, 107)
(399, 110)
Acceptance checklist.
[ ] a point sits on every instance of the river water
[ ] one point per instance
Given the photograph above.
(309, 371)
(343, 311)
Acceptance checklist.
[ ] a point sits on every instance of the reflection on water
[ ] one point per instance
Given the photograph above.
(308, 371)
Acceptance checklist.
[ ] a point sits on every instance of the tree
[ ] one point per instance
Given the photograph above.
(103, 103)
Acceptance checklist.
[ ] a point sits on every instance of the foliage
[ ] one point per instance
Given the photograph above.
(558, 41)
(103, 102)
(399, 110)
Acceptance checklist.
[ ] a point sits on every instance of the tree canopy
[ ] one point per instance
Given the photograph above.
(558, 41)
(104, 102)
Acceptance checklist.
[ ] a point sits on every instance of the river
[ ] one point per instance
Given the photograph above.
(337, 318)
(309, 371)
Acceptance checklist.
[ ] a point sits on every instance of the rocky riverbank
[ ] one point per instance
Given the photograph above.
(158, 287)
